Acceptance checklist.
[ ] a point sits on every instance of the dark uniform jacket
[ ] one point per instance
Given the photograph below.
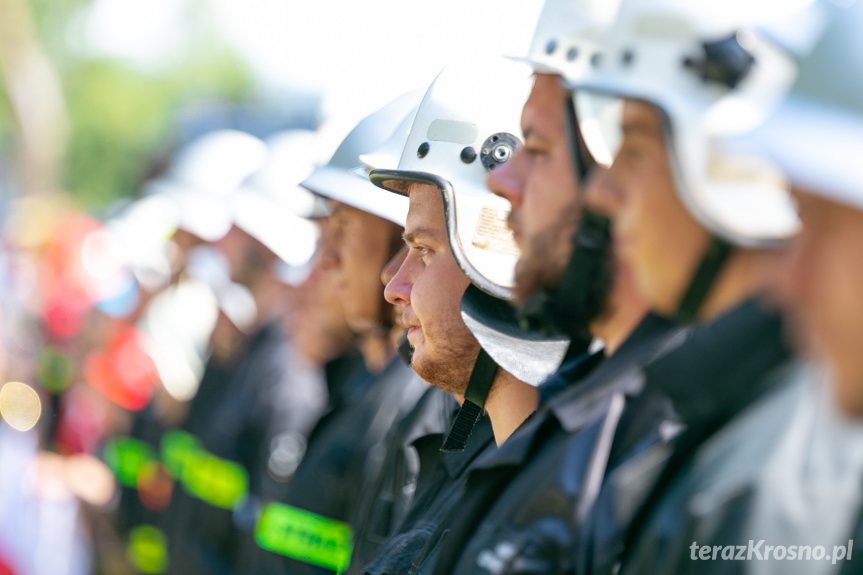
(723, 381)
(521, 503)
(416, 541)
(386, 498)
(232, 421)
(346, 451)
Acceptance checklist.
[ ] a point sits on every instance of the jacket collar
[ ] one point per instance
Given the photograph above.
(585, 386)
(619, 372)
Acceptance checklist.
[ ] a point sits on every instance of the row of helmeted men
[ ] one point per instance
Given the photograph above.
(626, 268)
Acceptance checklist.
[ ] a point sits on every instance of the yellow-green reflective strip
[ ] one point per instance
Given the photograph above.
(126, 456)
(148, 549)
(217, 481)
(177, 446)
(305, 536)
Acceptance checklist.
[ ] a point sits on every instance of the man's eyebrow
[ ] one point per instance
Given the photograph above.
(538, 136)
(638, 126)
(416, 235)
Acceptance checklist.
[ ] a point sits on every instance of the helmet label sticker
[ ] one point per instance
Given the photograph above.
(492, 234)
(452, 131)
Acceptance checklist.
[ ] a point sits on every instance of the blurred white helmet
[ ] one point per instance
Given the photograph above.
(272, 207)
(202, 177)
(387, 156)
(713, 76)
(219, 161)
(141, 232)
(344, 178)
(291, 157)
(817, 134)
(568, 35)
(290, 237)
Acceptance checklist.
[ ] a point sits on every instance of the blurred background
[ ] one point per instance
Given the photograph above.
(115, 117)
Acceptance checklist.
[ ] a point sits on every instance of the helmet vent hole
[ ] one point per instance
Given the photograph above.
(468, 155)
(627, 58)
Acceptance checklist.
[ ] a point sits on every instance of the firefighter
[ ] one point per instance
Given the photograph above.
(458, 243)
(311, 529)
(703, 224)
(519, 508)
(810, 491)
(250, 398)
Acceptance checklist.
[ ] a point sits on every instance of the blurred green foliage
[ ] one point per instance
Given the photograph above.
(120, 116)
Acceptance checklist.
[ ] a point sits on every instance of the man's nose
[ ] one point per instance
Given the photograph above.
(398, 288)
(391, 269)
(505, 180)
(601, 192)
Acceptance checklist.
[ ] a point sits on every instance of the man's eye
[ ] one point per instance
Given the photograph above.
(535, 152)
(630, 151)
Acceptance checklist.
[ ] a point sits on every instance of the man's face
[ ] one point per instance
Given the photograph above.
(822, 284)
(320, 330)
(653, 233)
(429, 286)
(355, 246)
(540, 183)
(249, 261)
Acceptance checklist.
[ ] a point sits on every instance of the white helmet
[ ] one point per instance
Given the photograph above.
(344, 178)
(292, 238)
(817, 134)
(271, 206)
(291, 157)
(465, 126)
(568, 35)
(713, 76)
(204, 174)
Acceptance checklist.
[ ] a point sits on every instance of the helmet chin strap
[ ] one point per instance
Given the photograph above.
(478, 387)
(711, 264)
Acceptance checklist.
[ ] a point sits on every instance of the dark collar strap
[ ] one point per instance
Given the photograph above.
(484, 370)
(709, 268)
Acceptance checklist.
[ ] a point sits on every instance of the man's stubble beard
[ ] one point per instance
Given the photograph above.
(547, 254)
(451, 369)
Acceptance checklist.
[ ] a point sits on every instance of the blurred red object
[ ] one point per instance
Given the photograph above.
(5, 568)
(65, 280)
(122, 371)
(83, 420)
